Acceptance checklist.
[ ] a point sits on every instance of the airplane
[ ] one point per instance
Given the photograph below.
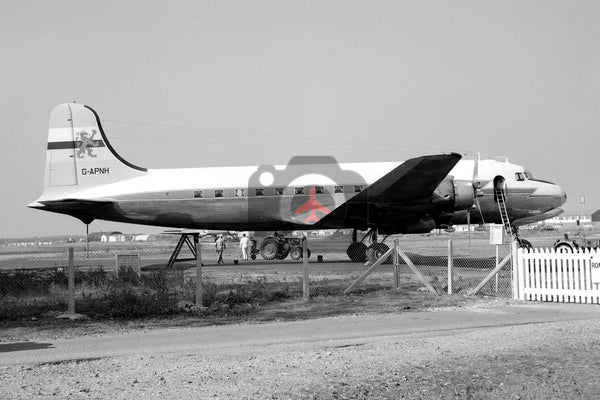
(86, 178)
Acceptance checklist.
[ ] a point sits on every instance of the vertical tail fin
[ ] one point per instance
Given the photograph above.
(79, 153)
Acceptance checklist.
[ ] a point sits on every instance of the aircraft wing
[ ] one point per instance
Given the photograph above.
(414, 179)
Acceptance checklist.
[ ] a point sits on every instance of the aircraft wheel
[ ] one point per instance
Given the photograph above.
(357, 252)
(296, 253)
(379, 249)
(524, 243)
(269, 248)
(253, 256)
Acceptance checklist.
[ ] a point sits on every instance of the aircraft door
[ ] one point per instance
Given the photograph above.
(498, 186)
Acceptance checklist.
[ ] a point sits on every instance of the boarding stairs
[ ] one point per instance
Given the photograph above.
(501, 198)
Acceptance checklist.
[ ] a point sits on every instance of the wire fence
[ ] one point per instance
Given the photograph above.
(133, 279)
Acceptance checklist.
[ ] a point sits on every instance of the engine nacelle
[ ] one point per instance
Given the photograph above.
(453, 195)
(464, 195)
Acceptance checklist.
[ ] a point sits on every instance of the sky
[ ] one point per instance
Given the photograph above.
(215, 83)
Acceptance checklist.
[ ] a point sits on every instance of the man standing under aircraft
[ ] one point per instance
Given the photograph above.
(244, 246)
(220, 247)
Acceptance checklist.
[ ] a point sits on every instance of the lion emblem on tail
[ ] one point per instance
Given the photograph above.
(85, 143)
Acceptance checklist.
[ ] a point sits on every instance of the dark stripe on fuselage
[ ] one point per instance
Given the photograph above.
(72, 144)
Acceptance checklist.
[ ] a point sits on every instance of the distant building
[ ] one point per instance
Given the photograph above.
(596, 216)
(568, 221)
(113, 237)
(141, 238)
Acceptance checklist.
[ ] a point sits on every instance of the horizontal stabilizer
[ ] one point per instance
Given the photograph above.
(74, 204)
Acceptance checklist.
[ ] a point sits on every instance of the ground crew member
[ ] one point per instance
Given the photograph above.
(220, 247)
(244, 246)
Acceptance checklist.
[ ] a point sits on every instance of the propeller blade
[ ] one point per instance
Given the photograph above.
(479, 209)
(477, 191)
(469, 226)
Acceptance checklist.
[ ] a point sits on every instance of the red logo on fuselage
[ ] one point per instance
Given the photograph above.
(312, 205)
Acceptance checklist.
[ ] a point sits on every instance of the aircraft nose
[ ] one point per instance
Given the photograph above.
(563, 196)
(553, 192)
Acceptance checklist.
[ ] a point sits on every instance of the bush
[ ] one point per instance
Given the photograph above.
(21, 282)
(125, 302)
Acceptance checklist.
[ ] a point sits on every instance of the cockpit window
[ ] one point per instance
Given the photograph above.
(528, 174)
(520, 176)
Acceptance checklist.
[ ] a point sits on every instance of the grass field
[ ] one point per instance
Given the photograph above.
(33, 279)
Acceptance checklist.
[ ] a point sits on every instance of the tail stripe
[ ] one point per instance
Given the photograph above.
(72, 145)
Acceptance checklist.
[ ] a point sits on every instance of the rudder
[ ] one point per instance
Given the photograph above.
(79, 153)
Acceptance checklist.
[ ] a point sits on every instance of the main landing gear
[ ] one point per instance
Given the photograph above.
(357, 251)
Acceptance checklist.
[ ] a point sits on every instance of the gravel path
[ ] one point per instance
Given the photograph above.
(526, 351)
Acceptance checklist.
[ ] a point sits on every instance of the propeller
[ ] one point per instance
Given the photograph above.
(477, 193)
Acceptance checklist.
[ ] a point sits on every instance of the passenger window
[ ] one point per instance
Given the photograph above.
(278, 191)
(259, 192)
(319, 190)
(239, 192)
(358, 188)
(197, 194)
(218, 193)
(339, 189)
(299, 190)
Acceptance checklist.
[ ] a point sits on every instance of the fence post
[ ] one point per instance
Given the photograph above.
(497, 260)
(199, 288)
(450, 265)
(71, 275)
(396, 265)
(516, 275)
(306, 289)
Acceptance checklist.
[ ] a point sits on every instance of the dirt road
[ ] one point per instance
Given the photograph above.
(475, 352)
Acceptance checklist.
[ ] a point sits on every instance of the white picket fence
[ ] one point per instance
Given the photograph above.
(548, 275)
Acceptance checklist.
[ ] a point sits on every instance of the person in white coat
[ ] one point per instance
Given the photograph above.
(244, 241)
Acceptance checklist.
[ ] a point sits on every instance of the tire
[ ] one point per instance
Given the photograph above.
(284, 250)
(563, 248)
(357, 252)
(296, 253)
(253, 256)
(524, 243)
(269, 248)
(379, 250)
